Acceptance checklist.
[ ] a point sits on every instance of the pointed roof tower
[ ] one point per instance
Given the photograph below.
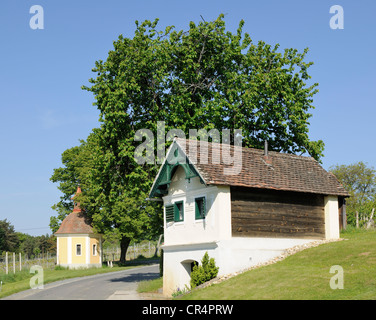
(76, 205)
(76, 222)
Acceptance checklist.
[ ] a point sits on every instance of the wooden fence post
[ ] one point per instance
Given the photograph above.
(14, 262)
(20, 261)
(6, 262)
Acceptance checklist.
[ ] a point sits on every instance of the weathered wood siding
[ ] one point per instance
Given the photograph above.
(342, 213)
(268, 213)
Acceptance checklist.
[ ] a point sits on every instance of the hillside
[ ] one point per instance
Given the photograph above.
(305, 275)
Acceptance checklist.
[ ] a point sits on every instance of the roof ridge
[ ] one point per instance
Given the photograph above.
(245, 148)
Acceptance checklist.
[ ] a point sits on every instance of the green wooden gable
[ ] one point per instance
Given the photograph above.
(175, 158)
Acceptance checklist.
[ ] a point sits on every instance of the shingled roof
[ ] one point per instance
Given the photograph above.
(75, 222)
(277, 171)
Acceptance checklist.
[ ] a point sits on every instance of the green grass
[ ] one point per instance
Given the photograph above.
(305, 275)
(150, 285)
(13, 283)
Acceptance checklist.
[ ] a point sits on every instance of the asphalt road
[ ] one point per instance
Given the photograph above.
(120, 285)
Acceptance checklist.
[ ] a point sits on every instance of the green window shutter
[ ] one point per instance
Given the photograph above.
(197, 210)
(200, 208)
(179, 211)
(169, 213)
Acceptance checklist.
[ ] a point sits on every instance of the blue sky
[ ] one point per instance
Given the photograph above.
(44, 111)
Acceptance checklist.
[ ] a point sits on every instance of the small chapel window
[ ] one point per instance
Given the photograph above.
(78, 249)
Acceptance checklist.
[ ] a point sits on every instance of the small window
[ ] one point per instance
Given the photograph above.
(78, 249)
(200, 208)
(179, 211)
(175, 212)
(94, 249)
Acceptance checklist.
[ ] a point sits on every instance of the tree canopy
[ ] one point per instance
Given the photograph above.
(201, 78)
(360, 181)
(8, 238)
(205, 77)
(12, 241)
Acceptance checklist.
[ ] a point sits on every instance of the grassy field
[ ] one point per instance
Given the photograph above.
(13, 283)
(150, 285)
(305, 275)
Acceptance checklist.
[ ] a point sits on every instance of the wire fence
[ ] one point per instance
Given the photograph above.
(14, 262)
(11, 262)
(145, 249)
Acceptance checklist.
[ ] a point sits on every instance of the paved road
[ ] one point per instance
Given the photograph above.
(120, 285)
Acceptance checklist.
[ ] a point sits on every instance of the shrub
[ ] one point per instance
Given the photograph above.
(204, 272)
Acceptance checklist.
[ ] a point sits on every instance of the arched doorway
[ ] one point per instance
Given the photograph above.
(188, 267)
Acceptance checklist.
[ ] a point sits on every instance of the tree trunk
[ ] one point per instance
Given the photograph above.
(357, 219)
(124, 243)
(158, 245)
(370, 221)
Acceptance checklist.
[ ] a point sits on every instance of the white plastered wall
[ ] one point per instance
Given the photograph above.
(188, 241)
(177, 259)
(217, 223)
(231, 255)
(331, 217)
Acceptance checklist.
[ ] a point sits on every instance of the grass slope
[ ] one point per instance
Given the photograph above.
(305, 275)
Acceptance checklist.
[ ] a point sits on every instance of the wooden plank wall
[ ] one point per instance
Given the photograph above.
(269, 213)
(342, 213)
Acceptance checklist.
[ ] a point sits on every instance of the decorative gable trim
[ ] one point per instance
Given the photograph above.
(175, 157)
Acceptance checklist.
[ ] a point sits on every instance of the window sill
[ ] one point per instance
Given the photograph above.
(174, 223)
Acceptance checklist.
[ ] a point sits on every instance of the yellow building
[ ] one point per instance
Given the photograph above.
(77, 244)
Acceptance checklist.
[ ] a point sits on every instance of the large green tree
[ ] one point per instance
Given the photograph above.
(201, 78)
(76, 164)
(205, 77)
(112, 212)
